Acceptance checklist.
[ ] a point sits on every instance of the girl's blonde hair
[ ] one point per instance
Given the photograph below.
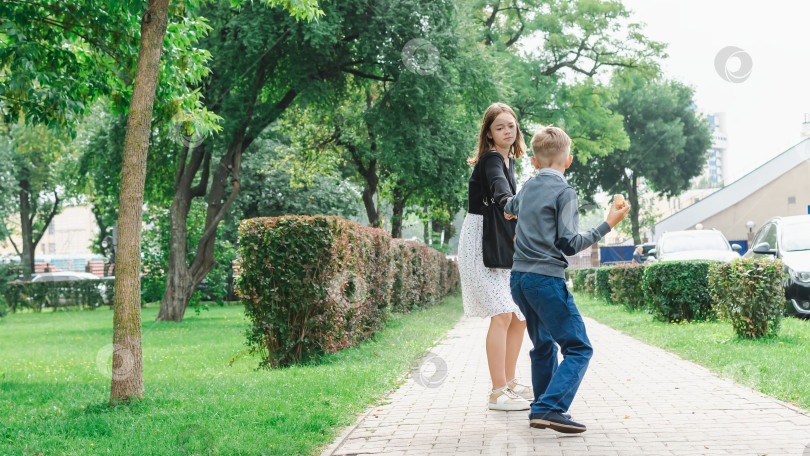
(485, 144)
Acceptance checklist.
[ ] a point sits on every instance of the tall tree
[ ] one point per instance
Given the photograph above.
(127, 350)
(263, 64)
(668, 143)
(73, 57)
(553, 51)
(35, 174)
(127, 317)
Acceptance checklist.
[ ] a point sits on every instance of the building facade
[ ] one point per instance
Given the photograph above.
(717, 163)
(780, 187)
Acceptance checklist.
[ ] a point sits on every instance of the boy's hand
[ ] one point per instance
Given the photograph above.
(616, 215)
(509, 216)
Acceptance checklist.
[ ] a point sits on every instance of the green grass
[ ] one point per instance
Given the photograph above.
(54, 390)
(777, 366)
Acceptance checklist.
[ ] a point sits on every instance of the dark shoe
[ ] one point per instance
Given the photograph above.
(567, 416)
(556, 421)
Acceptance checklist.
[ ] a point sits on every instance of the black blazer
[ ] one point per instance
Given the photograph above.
(499, 179)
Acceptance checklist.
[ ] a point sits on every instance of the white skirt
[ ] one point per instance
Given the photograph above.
(485, 292)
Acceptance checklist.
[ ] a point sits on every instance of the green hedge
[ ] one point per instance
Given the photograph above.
(603, 283)
(749, 294)
(8, 273)
(627, 286)
(578, 278)
(422, 275)
(87, 294)
(315, 285)
(678, 290)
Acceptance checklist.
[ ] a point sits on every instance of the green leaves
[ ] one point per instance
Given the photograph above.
(627, 286)
(57, 57)
(314, 285)
(678, 291)
(749, 294)
(668, 140)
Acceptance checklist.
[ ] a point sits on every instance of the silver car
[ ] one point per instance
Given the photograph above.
(695, 245)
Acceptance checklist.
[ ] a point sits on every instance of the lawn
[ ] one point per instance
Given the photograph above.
(54, 385)
(778, 366)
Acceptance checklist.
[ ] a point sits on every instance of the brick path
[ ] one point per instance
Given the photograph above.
(635, 399)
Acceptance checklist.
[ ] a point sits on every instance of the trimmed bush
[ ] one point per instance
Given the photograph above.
(603, 283)
(578, 278)
(749, 294)
(87, 294)
(315, 285)
(678, 290)
(626, 286)
(422, 275)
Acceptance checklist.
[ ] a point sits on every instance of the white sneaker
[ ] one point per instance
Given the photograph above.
(523, 391)
(508, 400)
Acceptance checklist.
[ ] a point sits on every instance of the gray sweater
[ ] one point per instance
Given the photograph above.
(548, 225)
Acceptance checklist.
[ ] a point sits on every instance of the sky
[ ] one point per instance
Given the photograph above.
(764, 112)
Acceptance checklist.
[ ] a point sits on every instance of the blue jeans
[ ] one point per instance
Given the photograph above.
(552, 316)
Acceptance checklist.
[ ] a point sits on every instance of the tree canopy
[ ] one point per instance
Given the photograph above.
(668, 143)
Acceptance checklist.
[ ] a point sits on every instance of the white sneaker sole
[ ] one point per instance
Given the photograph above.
(509, 407)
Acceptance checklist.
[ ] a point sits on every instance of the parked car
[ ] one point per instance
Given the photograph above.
(695, 245)
(788, 238)
(645, 252)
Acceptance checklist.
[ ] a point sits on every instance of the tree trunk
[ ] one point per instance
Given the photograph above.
(127, 371)
(176, 294)
(30, 240)
(372, 180)
(102, 229)
(27, 257)
(400, 198)
(635, 211)
(179, 290)
(426, 233)
(102, 233)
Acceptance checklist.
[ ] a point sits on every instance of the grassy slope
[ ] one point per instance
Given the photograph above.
(53, 389)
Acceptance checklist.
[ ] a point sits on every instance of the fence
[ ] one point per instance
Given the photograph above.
(580, 260)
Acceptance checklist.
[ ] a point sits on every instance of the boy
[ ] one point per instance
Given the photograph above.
(548, 228)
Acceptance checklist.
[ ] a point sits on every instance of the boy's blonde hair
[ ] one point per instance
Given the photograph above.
(551, 146)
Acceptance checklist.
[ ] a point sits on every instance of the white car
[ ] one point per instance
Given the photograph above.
(695, 245)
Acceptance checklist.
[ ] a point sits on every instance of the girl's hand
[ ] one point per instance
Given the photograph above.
(509, 216)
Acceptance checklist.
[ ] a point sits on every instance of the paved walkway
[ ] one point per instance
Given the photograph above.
(635, 399)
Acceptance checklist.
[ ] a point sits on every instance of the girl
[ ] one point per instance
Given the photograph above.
(485, 292)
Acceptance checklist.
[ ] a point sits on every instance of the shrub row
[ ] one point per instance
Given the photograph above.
(748, 293)
(626, 286)
(678, 291)
(87, 294)
(315, 285)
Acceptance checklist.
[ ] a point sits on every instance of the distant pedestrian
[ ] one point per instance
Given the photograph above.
(547, 229)
(484, 290)
(637, 259)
